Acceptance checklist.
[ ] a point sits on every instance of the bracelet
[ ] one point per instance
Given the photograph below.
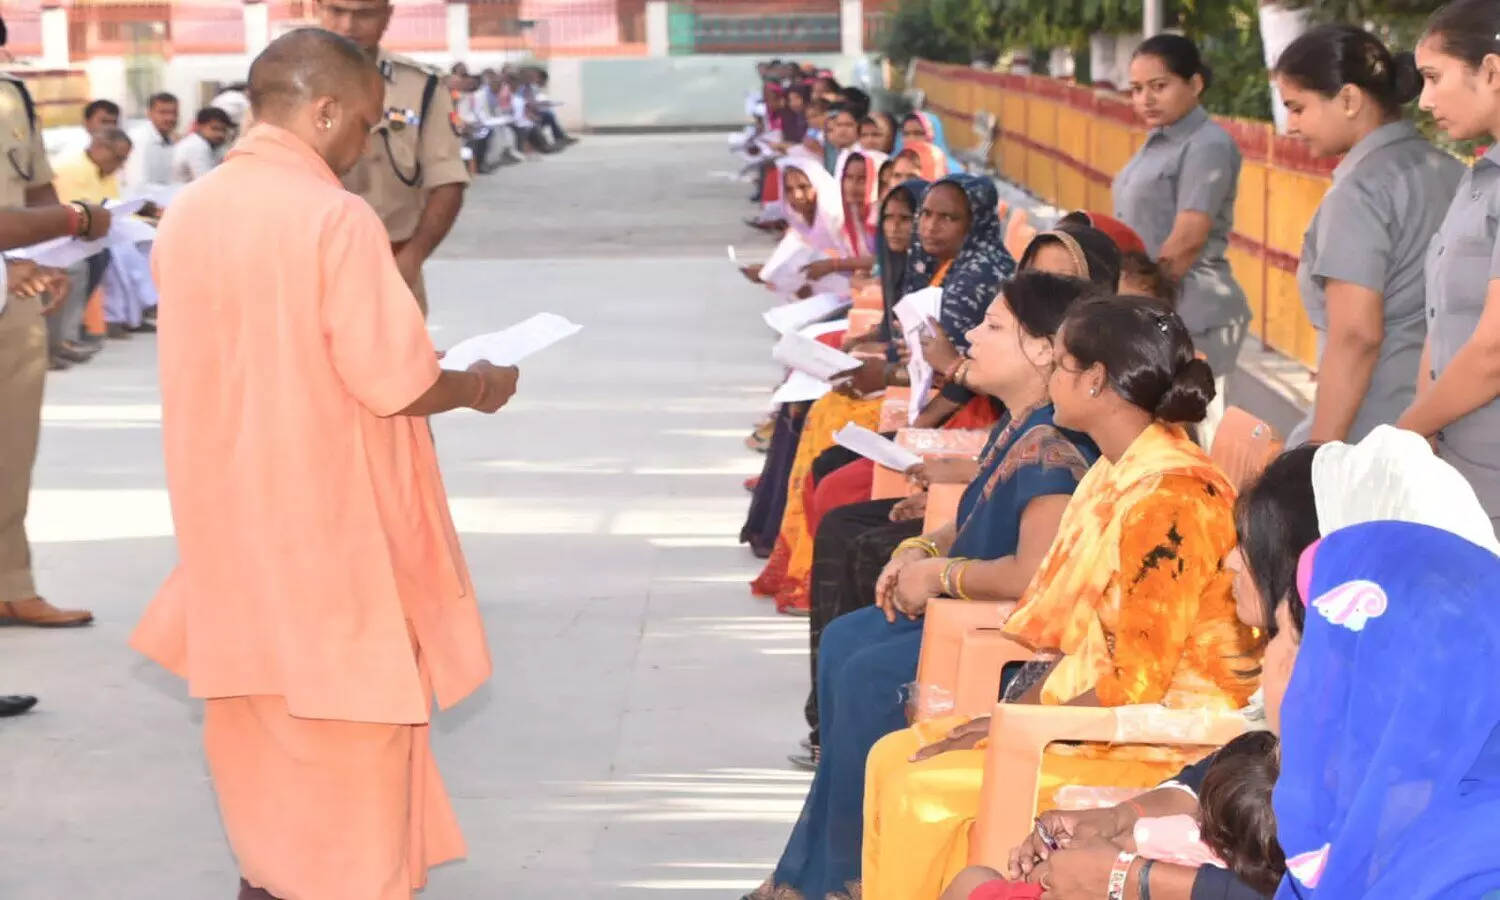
(958, 580)
(1119, 874)
(87, 217)
(1143, 887)
(962, 374)
(946, 579)
(75, 219)
(920, 543)
(951, 372)
(483, 389)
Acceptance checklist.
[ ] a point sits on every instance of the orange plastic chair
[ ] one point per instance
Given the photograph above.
(1243, 446)
(869, 297)
(942, 506)
(928, 443)
(962, 647)
(1019, 735)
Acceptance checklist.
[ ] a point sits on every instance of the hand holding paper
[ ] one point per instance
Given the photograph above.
(914, 312)
(870, 445)
(816, 359)
(511, 346)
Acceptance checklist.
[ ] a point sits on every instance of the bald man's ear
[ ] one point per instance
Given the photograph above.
(326, 112)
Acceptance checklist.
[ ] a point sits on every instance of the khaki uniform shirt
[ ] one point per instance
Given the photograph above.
(25, 158)
(396, 155)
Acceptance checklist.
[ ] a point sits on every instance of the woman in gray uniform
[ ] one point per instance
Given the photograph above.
(1361, 274)
(1178, 193)
(1459, 380)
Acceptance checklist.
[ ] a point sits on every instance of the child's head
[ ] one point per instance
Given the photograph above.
(1234, 803)
(1142, 276)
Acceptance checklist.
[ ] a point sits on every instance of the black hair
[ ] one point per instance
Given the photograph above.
(1139, 265)
(1466, 29)
(1238, 821)
(4, 33)
(858, 101)
(98, 106)
(160, 97)
(1276, 518)
(208, 115)
(1179, 54)
(1331, 56)
(838, 109)
(1147, 355)
(1040, 301)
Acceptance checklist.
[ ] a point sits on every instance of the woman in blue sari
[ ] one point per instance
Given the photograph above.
(1006, 522)
(1390, 727)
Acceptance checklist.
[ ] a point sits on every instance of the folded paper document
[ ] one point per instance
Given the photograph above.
(511, 346)
(872, 446)
(816, 359)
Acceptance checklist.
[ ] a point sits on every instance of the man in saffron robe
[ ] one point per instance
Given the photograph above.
(320, 598)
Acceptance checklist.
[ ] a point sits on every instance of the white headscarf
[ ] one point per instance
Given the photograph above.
(826, 234)
(1393, 475)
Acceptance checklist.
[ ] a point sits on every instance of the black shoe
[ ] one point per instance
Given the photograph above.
(117, 331)
(143, 328)
(72, 354)
(149, 314)
(54, 364)
(15, 704)
(89, 340)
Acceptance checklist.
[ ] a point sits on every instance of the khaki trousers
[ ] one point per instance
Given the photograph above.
(23, 375)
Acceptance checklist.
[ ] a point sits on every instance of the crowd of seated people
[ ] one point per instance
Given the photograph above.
(110, 295)
(1328, 602)
(505, 116)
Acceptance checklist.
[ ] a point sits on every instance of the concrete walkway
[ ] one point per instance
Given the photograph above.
(632, 741)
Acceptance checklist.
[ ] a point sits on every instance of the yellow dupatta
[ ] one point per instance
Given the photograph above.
(1077, 579)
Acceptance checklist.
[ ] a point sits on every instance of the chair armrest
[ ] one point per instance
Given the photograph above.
(944, 626)
(983, 655)
(1020, 733)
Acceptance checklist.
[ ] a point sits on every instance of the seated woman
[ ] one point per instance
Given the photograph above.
(1302, 493)
(878, 133)
(768, 503)
(919, 159)
(1132, 604)
(920, 127)
(856, 176)
(956, 247)
(1007, 520)
(855, 536)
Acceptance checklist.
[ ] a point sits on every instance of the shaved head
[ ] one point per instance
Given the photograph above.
(303, 66)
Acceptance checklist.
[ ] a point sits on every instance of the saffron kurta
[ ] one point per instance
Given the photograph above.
(317, 561)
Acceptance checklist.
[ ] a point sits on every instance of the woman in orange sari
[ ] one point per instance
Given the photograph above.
(1131, 606)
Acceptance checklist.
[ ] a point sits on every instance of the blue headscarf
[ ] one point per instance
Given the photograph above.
(934, 128)
(893, 268)
(982, 264)
(1390, 759)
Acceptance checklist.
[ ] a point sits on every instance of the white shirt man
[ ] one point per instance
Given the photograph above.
(197, 154)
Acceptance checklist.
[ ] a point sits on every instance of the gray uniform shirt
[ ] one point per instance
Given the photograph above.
(1461, 262)
(1192, 165)
(1373, 229)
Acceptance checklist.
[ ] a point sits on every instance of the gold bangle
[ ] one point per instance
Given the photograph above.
(920, 543)
(946, 579)
(958, 580)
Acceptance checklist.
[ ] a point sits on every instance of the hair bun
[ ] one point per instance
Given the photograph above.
(1186, 400)
(1406, 79)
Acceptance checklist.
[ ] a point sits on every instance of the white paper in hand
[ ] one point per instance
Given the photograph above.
(511, 346)
(822, 328)
(783, 271)
(800, 387)
(797, 315)
(816, 359)
(870, 445)
(913, 312)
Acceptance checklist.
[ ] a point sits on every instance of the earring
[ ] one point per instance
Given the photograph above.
(326, 124)
(1094, 391)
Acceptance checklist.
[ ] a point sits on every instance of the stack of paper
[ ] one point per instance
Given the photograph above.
(797, 315)
(914, 311)
(511, 346)
(816, 359)
(872, 446)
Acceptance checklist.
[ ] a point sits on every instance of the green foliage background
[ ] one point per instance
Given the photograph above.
(1228, 32)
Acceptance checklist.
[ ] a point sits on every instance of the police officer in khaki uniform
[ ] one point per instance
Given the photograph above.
(413, 172)
(29, 214)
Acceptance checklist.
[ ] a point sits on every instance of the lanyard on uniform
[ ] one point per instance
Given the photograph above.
(26, 173)
(416, 171)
